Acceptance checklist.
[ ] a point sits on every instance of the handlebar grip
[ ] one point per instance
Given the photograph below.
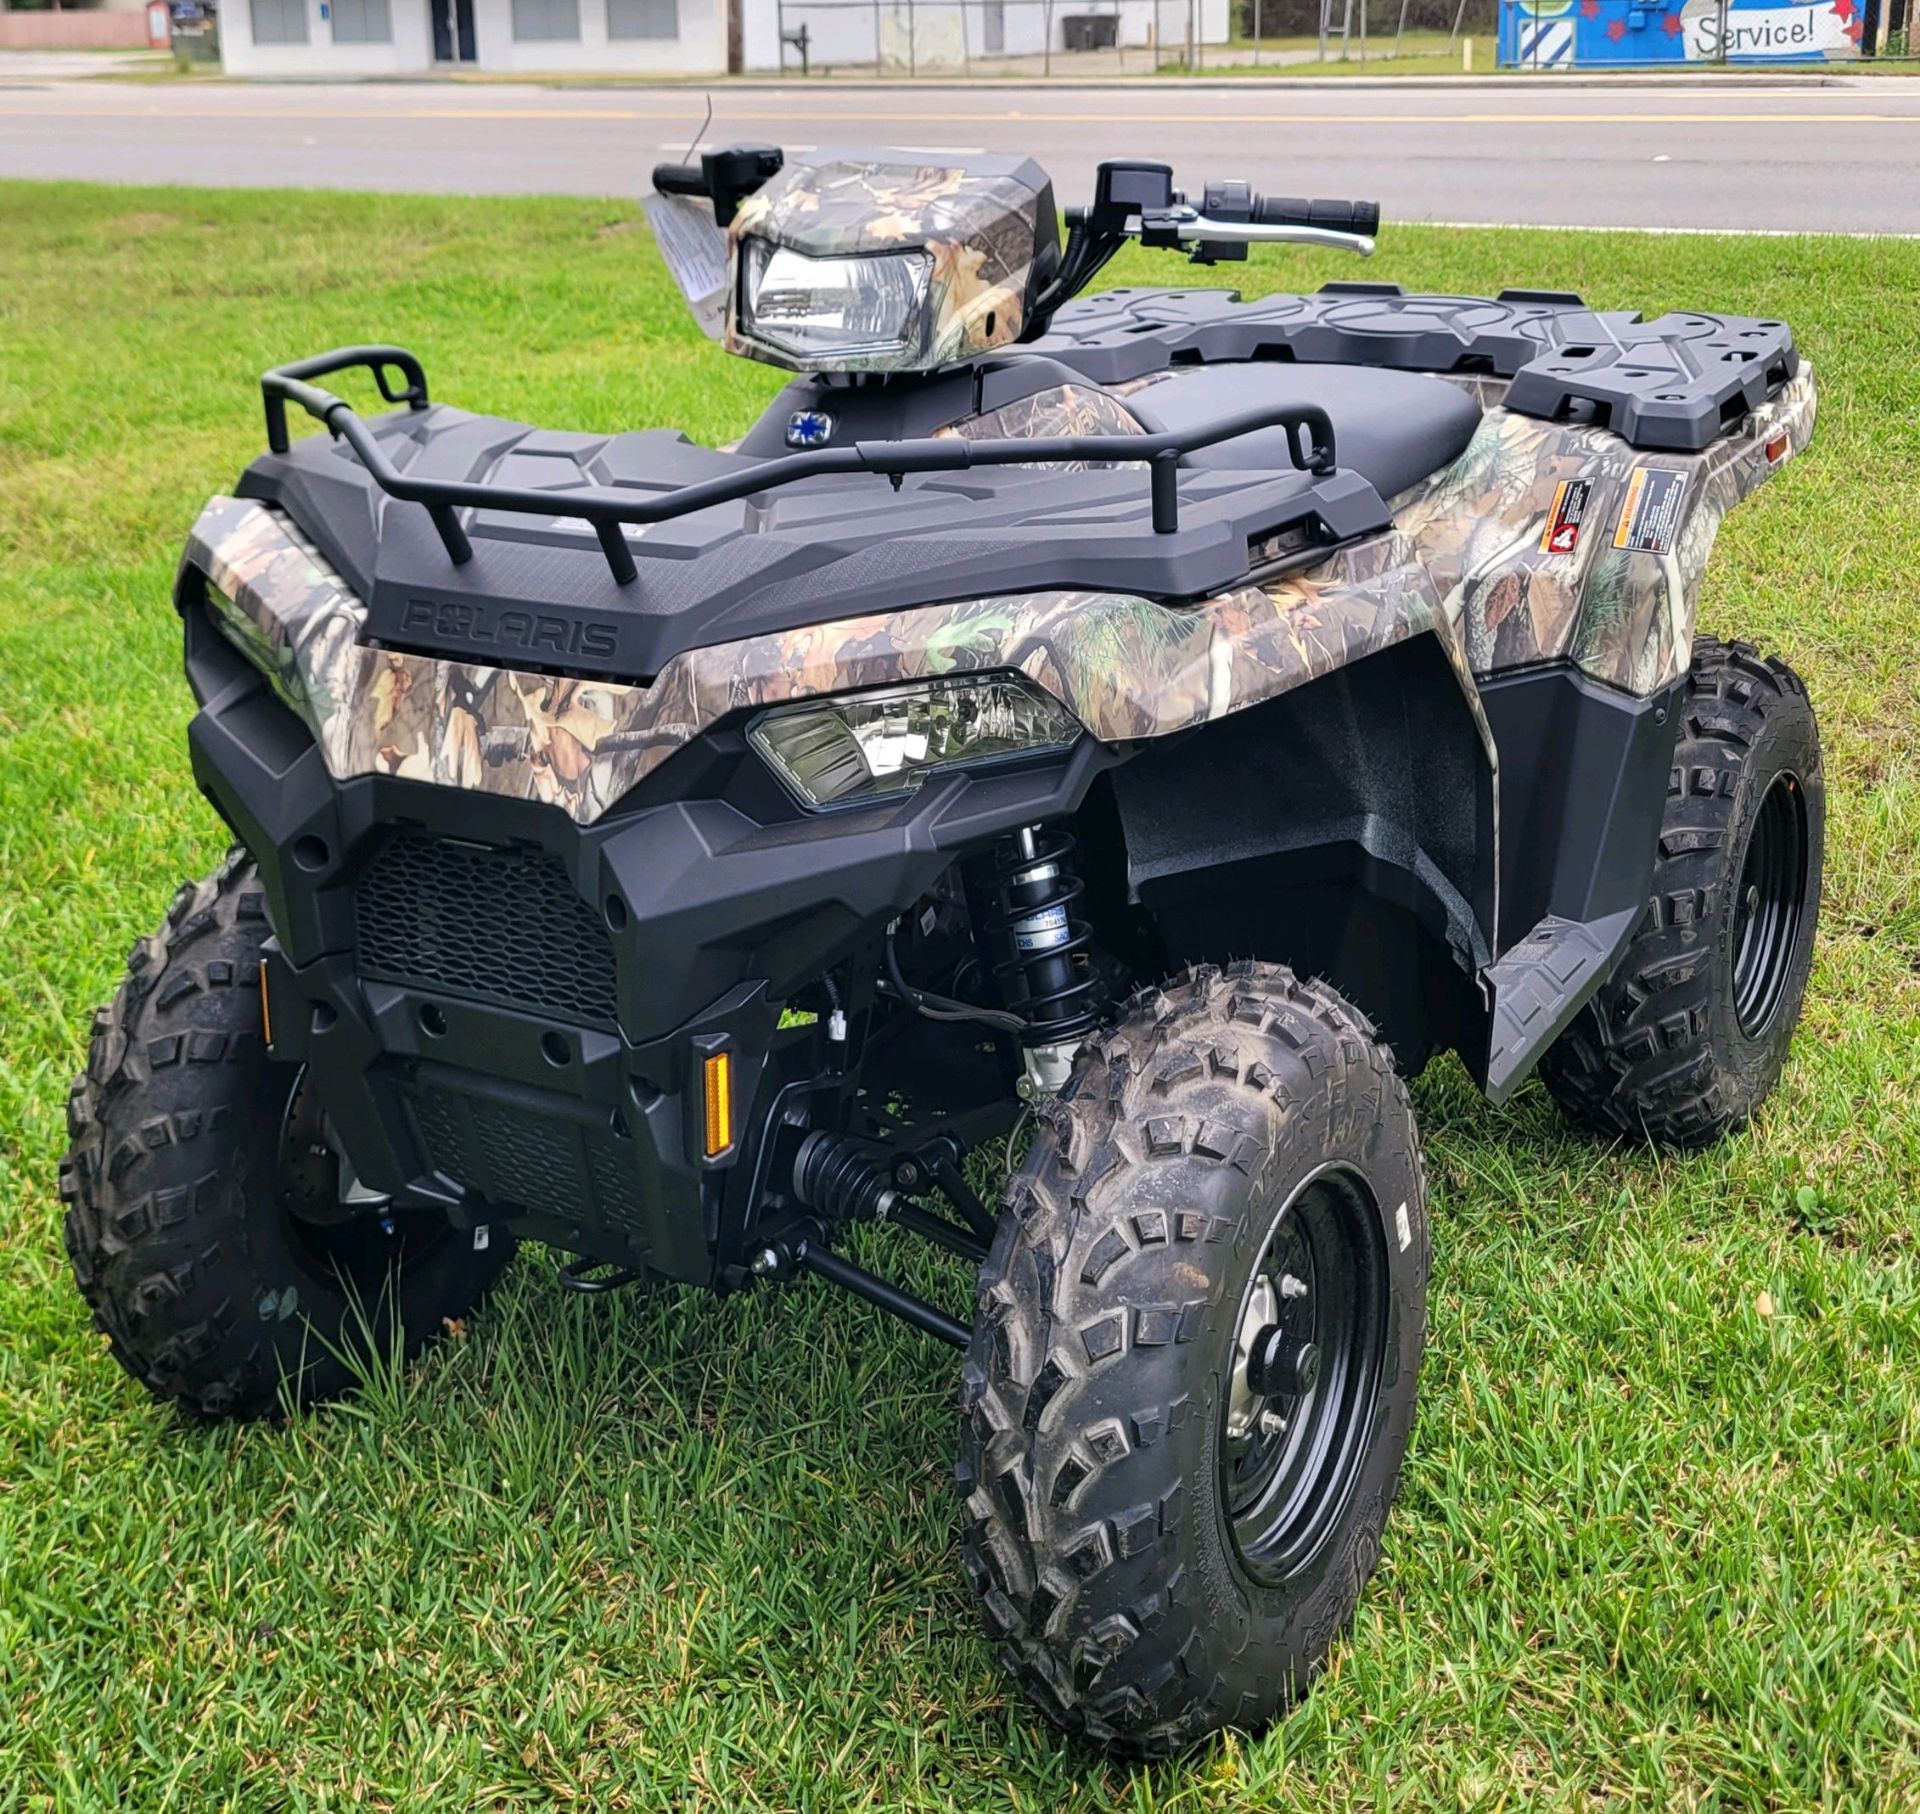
(680, 179)
(1337, 217)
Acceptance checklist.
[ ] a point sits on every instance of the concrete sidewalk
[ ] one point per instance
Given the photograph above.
(77, 65)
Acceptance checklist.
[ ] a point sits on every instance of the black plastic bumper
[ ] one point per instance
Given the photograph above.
(465, 1085)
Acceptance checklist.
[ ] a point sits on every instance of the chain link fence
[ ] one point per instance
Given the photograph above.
(1107, 37)
(961, 38)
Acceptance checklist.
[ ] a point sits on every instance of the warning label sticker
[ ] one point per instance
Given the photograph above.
(1650, 518)
(696, 253)
(1562, 533)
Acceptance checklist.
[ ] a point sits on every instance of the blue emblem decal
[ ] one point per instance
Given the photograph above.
(809, 428)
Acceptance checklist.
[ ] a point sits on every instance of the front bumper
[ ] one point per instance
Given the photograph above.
(505, 1010)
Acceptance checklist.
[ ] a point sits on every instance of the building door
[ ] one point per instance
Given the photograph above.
(993, 26)
(453, 31)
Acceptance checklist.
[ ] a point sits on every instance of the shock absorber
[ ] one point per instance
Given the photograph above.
(1039, 944)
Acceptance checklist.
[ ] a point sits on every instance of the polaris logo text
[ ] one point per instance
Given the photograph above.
(456, 620)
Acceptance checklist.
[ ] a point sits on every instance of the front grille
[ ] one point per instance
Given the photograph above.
(501, 925)
(546, 1165)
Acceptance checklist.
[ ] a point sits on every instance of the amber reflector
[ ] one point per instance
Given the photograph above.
(266, 1012)
(719, 1081)
(1777, 448)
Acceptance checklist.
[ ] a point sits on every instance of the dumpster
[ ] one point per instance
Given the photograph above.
(195, 33)
(1090, 31)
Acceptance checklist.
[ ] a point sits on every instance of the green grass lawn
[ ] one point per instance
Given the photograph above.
(1659, 1544)
(1419, 53)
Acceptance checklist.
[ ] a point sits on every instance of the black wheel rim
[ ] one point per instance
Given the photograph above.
(1286, 1482)
(364, 1251)
(1770, 906)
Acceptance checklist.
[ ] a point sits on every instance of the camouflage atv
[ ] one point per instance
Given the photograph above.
(1161, 719)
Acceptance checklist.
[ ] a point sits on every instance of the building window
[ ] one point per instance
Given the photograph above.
(546, 21)
(643, 18)
(361, 22)
(279, 21)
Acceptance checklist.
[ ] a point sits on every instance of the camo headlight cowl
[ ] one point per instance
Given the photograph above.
(984, 234)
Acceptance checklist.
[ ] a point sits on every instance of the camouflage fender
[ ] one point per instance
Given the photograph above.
(1126, 667)
(983, 233)
(1623, 614)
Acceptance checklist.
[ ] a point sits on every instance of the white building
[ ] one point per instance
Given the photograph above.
(521, 37)
(335, 38)
(952, 37)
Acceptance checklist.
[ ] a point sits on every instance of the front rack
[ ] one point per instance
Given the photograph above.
(1310, 446)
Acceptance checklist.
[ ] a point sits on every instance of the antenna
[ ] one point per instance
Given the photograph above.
(694, 144)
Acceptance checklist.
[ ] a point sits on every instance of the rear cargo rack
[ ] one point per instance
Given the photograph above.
(1309, 437)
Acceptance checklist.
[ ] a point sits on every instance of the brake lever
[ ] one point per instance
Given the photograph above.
(1185, 225)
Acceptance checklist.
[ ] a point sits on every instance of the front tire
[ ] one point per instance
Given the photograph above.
(1165, 1532)
(210, 1291)
(1687, 1037)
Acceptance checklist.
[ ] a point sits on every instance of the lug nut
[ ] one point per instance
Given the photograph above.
(1279, 1362)
(764, 1264)
(1272, 1423)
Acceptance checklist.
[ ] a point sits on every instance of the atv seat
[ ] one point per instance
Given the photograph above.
(1392, 428)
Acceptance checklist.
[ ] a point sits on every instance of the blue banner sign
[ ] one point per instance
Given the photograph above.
(1574, 34)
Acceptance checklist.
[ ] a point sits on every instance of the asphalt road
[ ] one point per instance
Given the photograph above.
(1716, 154)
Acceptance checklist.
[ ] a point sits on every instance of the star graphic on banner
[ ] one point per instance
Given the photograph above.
(1672, 25)
(1853, 29)
(1589, 9)
(1617, 30)
(1843, 10)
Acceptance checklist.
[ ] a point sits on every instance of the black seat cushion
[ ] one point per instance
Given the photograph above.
(1393, 428)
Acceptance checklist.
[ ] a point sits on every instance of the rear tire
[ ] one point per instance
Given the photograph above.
(209, 1291)
(1155, 1558)
(1688, 1036)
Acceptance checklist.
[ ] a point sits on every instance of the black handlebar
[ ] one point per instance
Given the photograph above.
(1124, 191)
(1216, 225)
(1335, 216)
(680, 179)
(725, 177)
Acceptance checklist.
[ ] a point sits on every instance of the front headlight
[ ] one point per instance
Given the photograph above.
(867, 746)
(835, 307)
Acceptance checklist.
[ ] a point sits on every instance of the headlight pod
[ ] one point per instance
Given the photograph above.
(869, 746)
(831, 308)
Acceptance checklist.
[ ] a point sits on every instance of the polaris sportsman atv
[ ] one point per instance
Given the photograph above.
(1168, 717)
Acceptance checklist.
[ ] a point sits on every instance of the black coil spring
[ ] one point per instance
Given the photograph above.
(1053, 986)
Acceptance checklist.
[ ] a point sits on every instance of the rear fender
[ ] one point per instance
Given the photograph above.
(1559, 541)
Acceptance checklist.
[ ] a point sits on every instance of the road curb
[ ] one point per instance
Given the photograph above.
(1507, 84)
(1517, 82)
